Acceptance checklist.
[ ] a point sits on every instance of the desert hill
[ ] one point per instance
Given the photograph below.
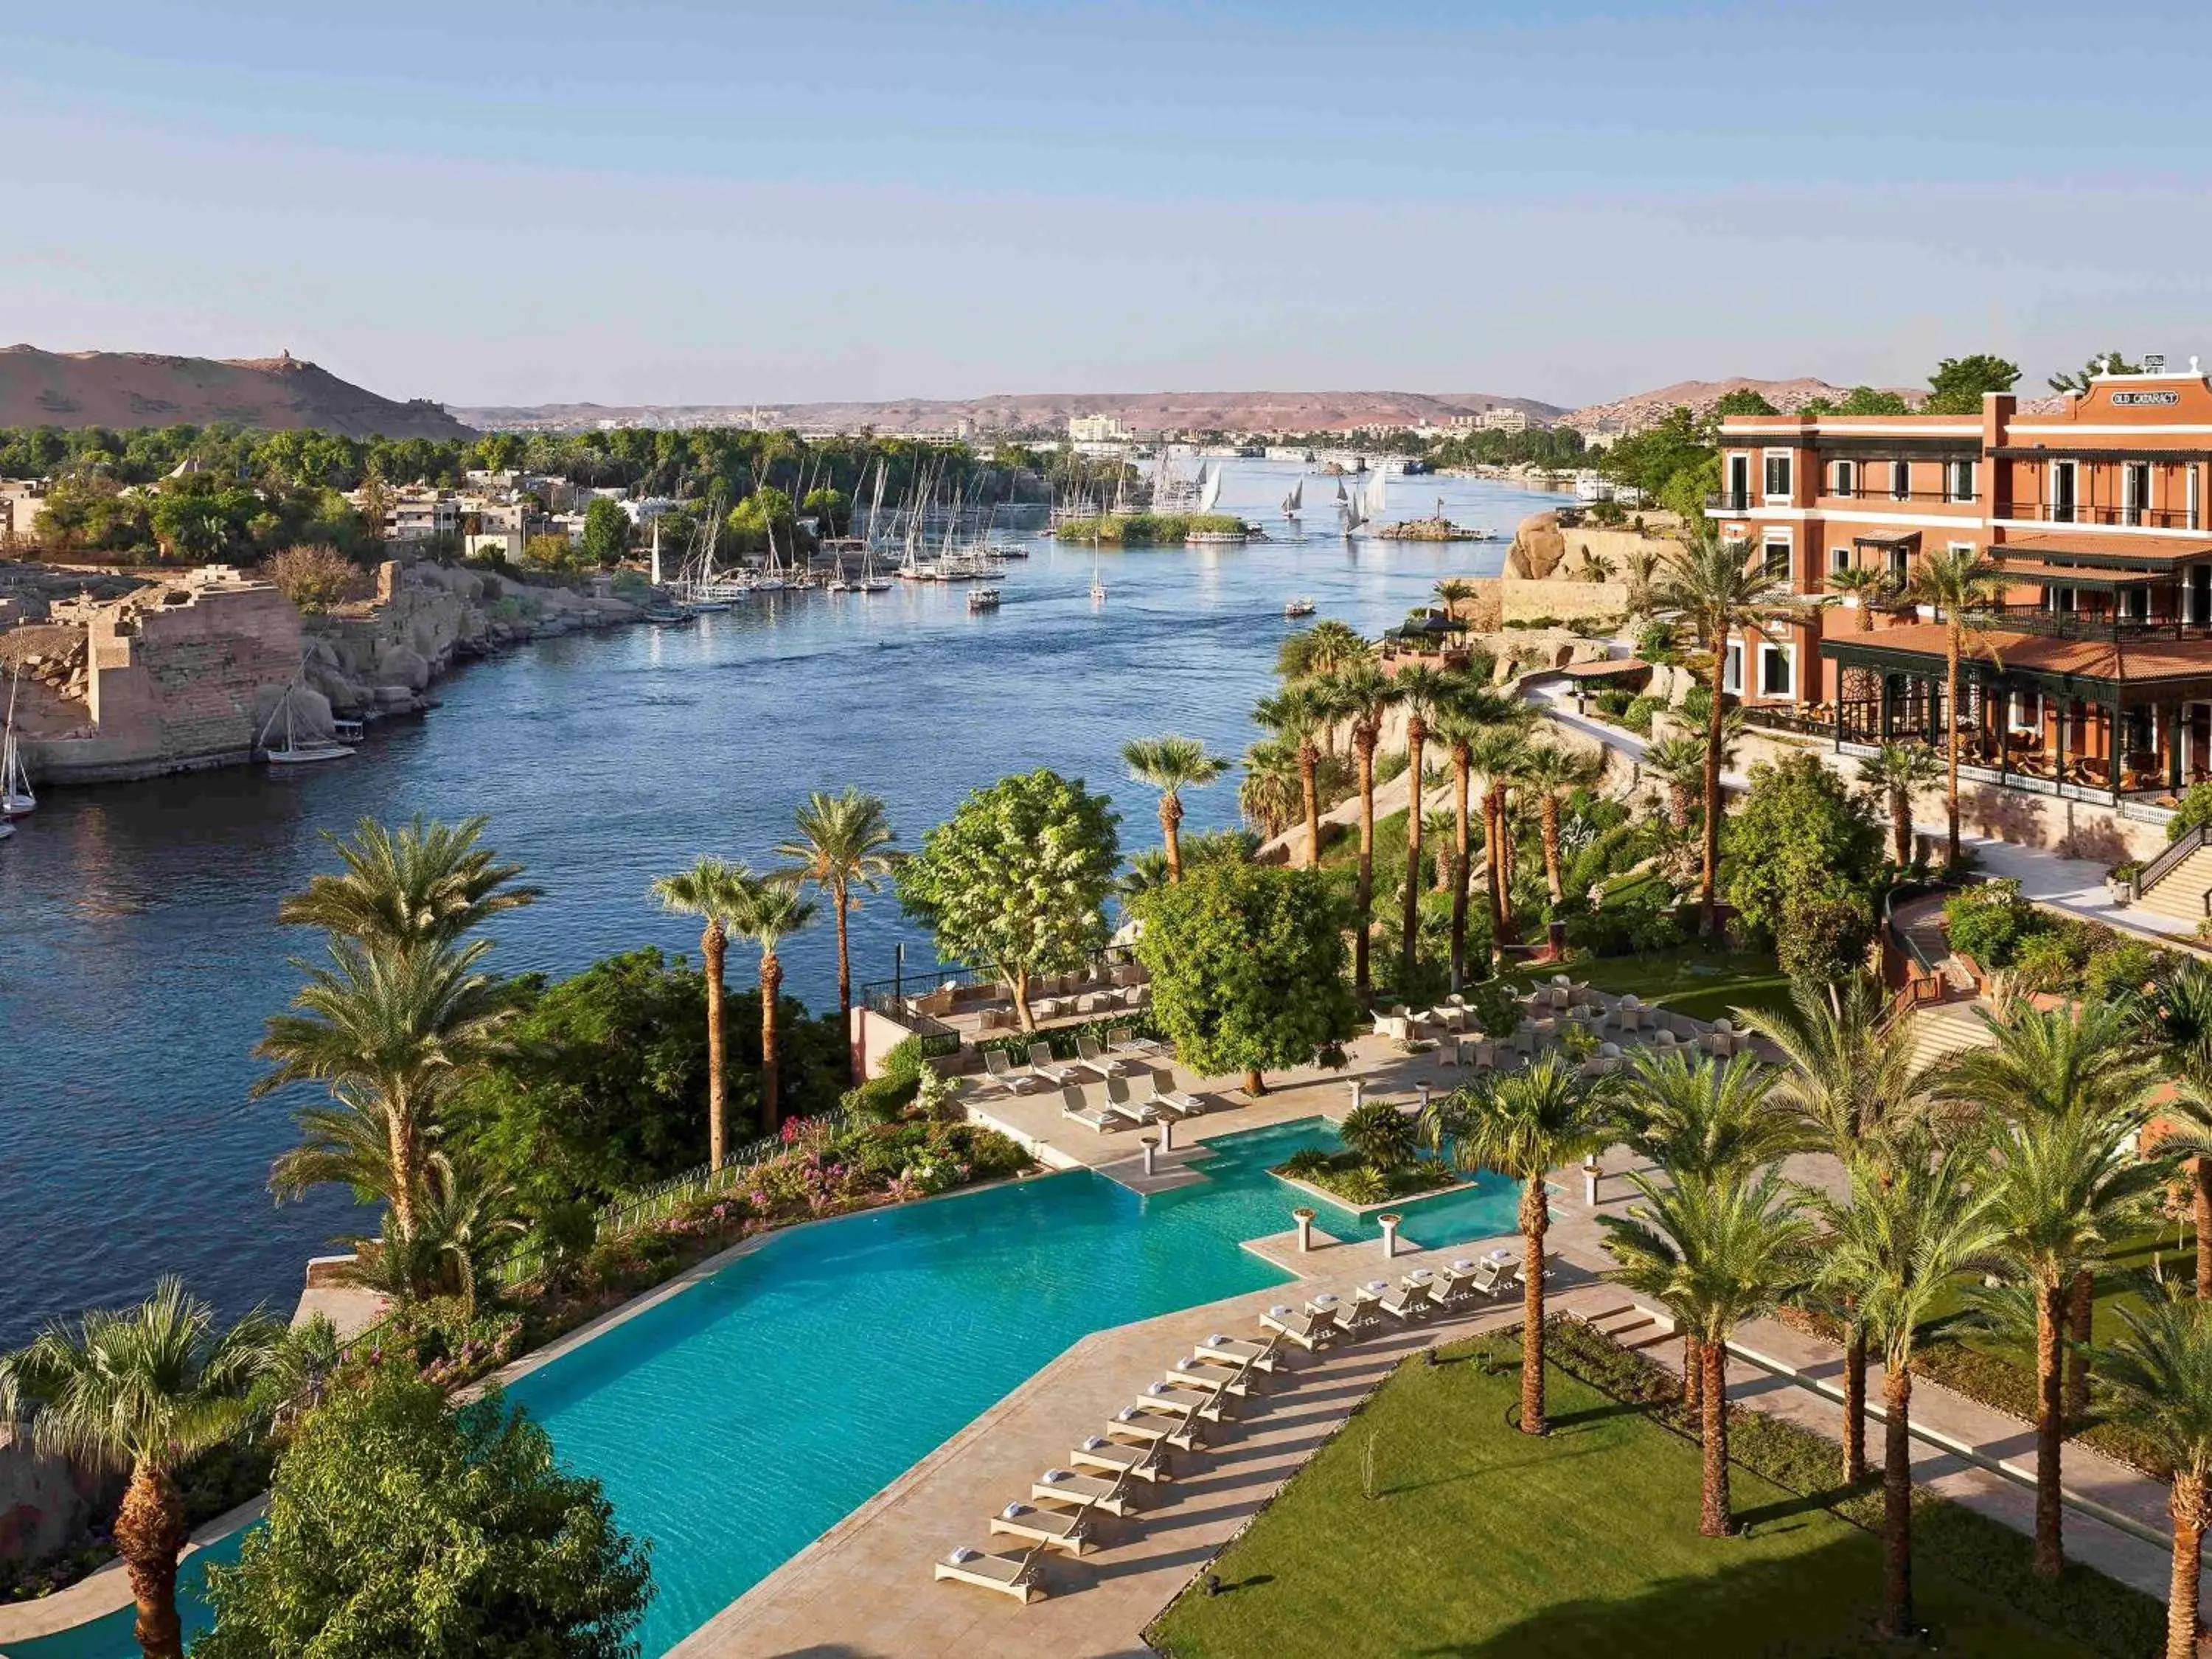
(133, 388)
(1641, 409)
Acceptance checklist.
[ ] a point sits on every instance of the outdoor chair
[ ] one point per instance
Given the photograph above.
(1002, 1072)
(1168, 1094)
(1131, 1109)
(1134, 1426)
(1309, 1331)
(1401, 1304)
(1089, 1056)
(1099, 1456)
(1047, 1522)
(1100, 1118)
(1120, 1040)
(1091, 1492)
(1260, 1356)
(1194, 1371)
(1056, 1073)
(1009, 1575)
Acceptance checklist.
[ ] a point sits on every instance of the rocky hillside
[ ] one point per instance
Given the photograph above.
(1641, 409)
(1226, 411)
(132, 388)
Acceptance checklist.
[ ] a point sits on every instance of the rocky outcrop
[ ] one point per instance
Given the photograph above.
(1538, 548)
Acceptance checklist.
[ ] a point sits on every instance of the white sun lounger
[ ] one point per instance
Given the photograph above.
(1121, 1040)
(1059, 1074)
(1166, 1400)
(1119, 1099)
(1168, 1094)
(1401, 1304)
(1087, 1491)
(1009, 1575)
(1136, 1425)
(1101, 1118)
(1100, 1456)
(1047, 1522)
(1194, 1372)
(1003, 1073)
(1235, 1351)
(1097, 1061)
(1304, 1328)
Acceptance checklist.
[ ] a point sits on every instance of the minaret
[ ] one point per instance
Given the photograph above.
(656, 552)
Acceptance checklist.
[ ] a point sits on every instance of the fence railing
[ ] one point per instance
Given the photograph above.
(2158, 868)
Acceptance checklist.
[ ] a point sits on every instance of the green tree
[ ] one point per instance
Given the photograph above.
(141, 1392)
(1799, 833)
(1958, 385)
(1421, 690)
(2112, 362)
(2158, 1380)
(1172, 765)
(1859, 400)
(1016, 880)
(1247, 965)
(1866, 586)
(401, 1527)
(1551, 773)
(1715, 587)
(767, 912)
(1329, 646)
(424, 882)
(711, 890)
(844, 846)
(1718, 1250)
(1955, 583)
(1524, 1126)
(1381, 1133)
(1362, 696)
(1298, 716)
(1893, 1250)
(1893, 772)
(606, 532)
(1744, 400)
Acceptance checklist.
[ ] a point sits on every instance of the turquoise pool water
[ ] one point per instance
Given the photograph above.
(737, 1421)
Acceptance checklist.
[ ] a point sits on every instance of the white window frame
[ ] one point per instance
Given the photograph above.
(1738, 498)
(1901, 481)
(1839, 559)
(1770, 495)
(2073, 475)
(1846, 479)
(2190, 487)
(1768, 651)
(1732, 669)
(2024, 711)
(1958, 481)
(1774, 537)
(2135, 501)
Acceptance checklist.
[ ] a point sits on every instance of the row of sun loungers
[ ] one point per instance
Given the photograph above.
(1123, 1053)
(1151, 1099)
(1201, 1390)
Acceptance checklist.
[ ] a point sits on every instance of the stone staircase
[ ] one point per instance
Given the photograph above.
(1945, 1028)
(2178, 899)
(1627, 1323)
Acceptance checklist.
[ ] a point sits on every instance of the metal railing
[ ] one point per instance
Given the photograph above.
(894, 997)
(1880, 493)
(2109, 625)
(2157, 869)
(2148, 518)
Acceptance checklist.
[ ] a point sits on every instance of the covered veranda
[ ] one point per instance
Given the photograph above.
(2125, 717)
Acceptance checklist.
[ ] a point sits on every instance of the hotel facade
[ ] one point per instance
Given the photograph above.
(2088, 675)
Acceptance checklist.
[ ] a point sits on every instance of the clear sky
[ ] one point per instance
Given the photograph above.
(666, 200)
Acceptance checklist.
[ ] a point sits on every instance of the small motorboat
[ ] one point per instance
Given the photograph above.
(983, 598)
(1298, 607)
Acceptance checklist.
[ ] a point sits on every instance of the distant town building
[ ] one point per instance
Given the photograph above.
(1096, 429)
(22, 501)
(1494, 417)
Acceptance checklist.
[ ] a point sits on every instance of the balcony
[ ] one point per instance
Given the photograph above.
(1731, 500)
(2148, 518)
(1900, 497)
(2101, 625)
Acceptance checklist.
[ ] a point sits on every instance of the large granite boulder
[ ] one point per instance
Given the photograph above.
(399, 665)
(1538, 548)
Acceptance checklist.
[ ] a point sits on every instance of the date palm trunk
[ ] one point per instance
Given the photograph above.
(2081, 1315)
(1855, 1417)
(1535, 1220)
(1170, 833)
(1417, 732)
(839, 900)
(771, 985)
(1897, 1502)
(1693, 1371)
(713, 951)
(2186, 1505)
(1493, 859)
(1715, 735)
(150, 1535)
(1547, 811)
(1951, 647)
(2050, 1431)
(1363, 900)
(1716, 1518)
(2201, 1207)
(1462, 850)
(1900, 824)
(1309, 788)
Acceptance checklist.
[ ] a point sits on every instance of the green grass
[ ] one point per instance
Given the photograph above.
(1693, 979)
(1480, 1541)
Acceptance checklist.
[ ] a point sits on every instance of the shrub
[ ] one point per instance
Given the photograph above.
(2043, 961)
(1989, 922)
(1637, 717)
(1824, 937)
(1697, 705)
(1306, 1164)
(1365, 1185)
(2195, 808)
(1494, 1006)
(315, 577)
(1614, 703)
(1381, 1133)
(1655, 642)
(2123, 969)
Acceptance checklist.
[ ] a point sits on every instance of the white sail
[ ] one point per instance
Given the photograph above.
(1377, 482)
(1297, 496)
(1210, 492)
(1340, 496)
(16, 795)
(656, 552)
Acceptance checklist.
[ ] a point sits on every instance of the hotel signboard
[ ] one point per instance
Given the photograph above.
(2139, 398)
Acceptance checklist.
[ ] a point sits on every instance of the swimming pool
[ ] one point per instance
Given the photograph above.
(736, 1422)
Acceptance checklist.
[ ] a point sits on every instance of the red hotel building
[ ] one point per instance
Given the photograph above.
(2092, 677)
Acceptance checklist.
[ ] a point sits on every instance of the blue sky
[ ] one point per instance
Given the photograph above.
(662, 201)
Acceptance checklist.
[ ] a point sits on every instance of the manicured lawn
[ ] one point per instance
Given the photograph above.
(1691, 979)
(1480, 1540)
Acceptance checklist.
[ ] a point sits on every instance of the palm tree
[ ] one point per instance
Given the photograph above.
(711, 890)
(1678, 760)
(1331, 647)
(1172, 765)
(144, 1390)
(844, 844)
(423, 883)
(2158, 1381)
(393, 1034)
(1851, 1081)
(1298, 716)
(1462, 721)
(1421, 690)
(1453, 591)
(1362, 696)
(1893, 772)
(768, 913)
(1551, 771)
(1524, 1126)
(1954, 583)
(1706, 1120)
(2088, 1060)
(1714, 585)
(2181, 1016)
(1499, 754)
(461, 1213)
(1910, 1225)
(1271, 796)
(1717, 1250)
(1644, 567)
(2065, 1191)
(1866, 586)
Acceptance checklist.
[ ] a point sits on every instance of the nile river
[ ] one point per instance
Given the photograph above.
(139, 952)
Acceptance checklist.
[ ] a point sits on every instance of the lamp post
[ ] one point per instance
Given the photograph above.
(1303, 1215)
(1389, 1221)
(1150, 1148)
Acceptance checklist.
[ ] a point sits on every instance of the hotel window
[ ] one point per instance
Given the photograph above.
(2063, 479)
(1777, 475)
(1739, 484)
(1901, 566)
(1732, 670)
(1901, 481)
(1840, 558)
(1847, 477)
(1775, 555)
(2135, 491)
(1778, 670)
(2026, 713)
(1958, 481)
(2191, 485)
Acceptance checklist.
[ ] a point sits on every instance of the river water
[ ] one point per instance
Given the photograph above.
(140, 954)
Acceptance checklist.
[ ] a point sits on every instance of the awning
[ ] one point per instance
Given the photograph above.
(2110, 550)
(2137, 672)
(2080, 575)
(1907, 539)
(1599, 671)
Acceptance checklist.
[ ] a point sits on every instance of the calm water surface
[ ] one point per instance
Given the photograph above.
(139, 953)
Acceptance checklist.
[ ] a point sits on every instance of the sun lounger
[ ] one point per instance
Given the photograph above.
(1396, 1300)
(1462, 1281)
(1304, 1328)
(1194, 1372)
(1059, 1074)
(1056, 1526)
(1134, 1424)
(1096, 1060)
(1166, 1400)
(1166, 1094)
(1009, 1575)
(1119, 1099)
(1002, 1072)
(1099, 1456)
(1089, 1492)
(1120, 1040)
(1101, 1118)
(1235, 1351)
(1349, 1317)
